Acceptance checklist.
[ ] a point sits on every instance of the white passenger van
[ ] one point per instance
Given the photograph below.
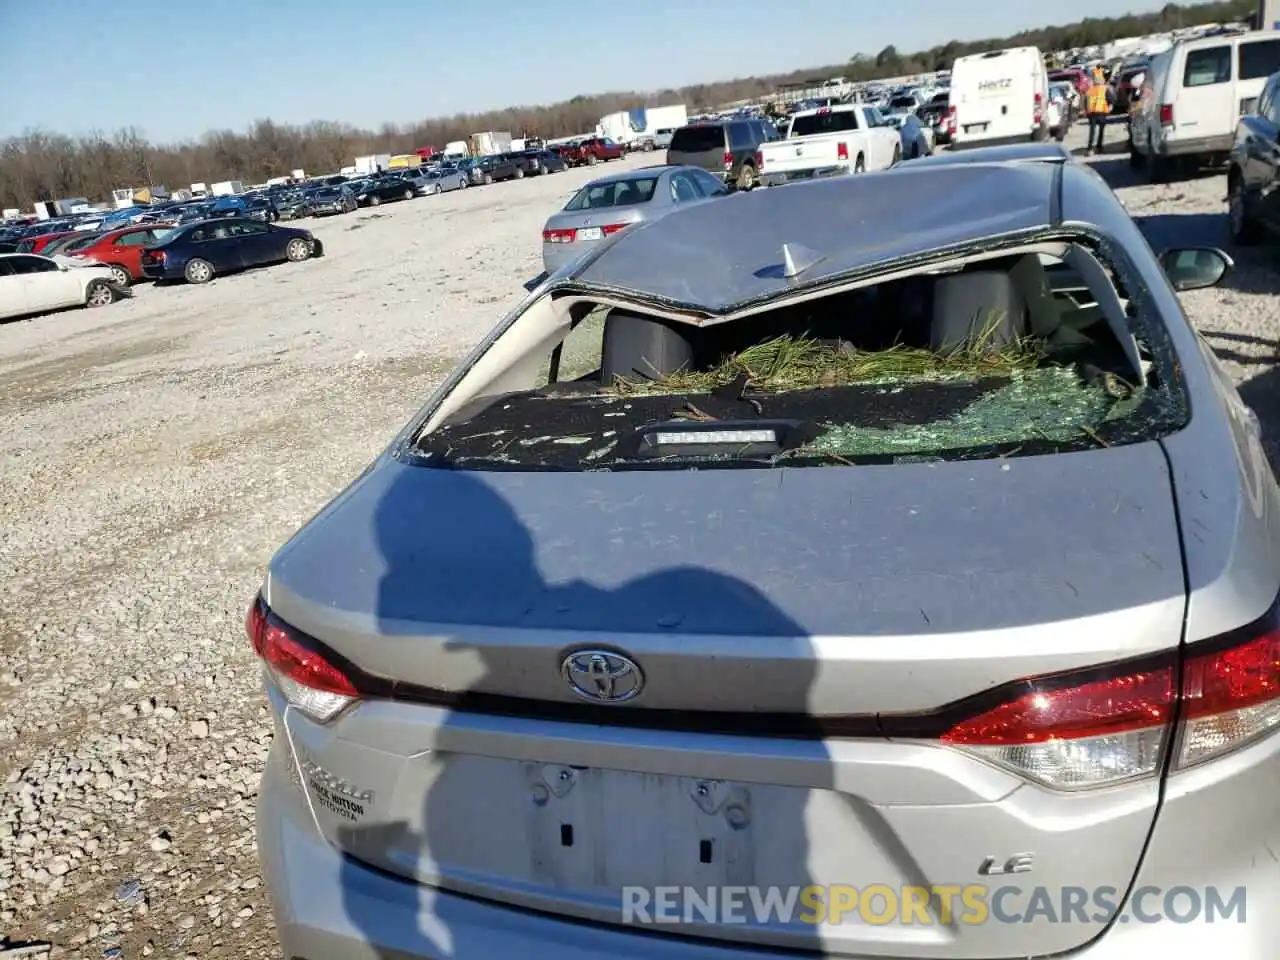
(1193, 95)
(999, 97)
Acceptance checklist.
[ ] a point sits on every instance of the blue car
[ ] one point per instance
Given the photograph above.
(200, 251)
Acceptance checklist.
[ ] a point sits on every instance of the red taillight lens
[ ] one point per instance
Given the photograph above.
(1229, 698)
(728, 160)
(1166, 114)
(951, 120)
(759, 161)
(1038, 107)
(1073, 731)
(559, 236)
(307, 680)
(613, 228)
(842, 151)
(1076, 735)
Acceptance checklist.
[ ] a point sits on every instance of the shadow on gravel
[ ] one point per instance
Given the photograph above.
(1114, 167)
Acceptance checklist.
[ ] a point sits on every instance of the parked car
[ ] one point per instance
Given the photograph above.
(937, 115)
(660, 139)
(295, 204)
(611, 204)
(331, 200)
(536, 654)
(1126, 85)
(444, 180)
(1253, 170)
(541, 161)
(121, 250)
(726, 149)
(1193, 95)
(590, 151)
(261, 208)
(916, 139)
(30, 283)
(499, 166)
(200, 252)
(69, 242)
(37, 243)
(371, 193)
(1078, 77)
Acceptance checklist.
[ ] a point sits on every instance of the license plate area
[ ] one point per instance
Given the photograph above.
(638, 828)
(590, 233)
(975, 128)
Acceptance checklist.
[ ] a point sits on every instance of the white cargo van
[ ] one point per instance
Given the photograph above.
(1193, 95)
(999, 97)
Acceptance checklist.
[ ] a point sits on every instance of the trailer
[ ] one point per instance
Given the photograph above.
(373, 163)
(404, 161)
(641, 126)
(489, 143)
(228, 188)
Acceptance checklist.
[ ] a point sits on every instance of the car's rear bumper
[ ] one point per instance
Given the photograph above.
(162, 272)
(777, 178)
(1220, 827)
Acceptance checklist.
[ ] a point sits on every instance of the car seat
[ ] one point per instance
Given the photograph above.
(636, 347)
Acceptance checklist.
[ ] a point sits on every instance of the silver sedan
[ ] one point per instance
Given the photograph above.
(442, 181)
(611, 204)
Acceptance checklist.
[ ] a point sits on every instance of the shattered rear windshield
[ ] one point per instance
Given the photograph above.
(968, 364)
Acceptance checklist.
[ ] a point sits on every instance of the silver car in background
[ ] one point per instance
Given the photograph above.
(442, 181)
(610, 204)
(920, 571)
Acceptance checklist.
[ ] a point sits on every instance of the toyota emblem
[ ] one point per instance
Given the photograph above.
(602, 676)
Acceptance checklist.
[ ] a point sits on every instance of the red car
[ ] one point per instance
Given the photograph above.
(1078, 77)
(591, 151)
(121, 250)
(37, 243)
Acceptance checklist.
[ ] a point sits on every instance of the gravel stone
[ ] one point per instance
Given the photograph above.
(157, 451)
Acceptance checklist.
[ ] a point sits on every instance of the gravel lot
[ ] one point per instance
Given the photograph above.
(158, 451)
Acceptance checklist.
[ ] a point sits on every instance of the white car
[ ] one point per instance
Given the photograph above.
(30, 283)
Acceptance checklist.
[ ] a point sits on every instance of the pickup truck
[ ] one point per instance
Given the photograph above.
(591, 151)
(829, 141)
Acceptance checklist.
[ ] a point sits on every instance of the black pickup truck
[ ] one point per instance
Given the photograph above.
(499, 166)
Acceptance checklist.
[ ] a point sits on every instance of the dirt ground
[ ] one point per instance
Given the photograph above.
(157, 451)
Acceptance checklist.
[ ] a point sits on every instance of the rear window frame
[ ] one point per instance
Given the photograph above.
(1144, 321)
(707, 130)
(652, 183)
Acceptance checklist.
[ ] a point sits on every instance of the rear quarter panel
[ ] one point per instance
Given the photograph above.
(1226, 494)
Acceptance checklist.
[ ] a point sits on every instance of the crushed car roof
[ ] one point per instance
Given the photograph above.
(717, 257)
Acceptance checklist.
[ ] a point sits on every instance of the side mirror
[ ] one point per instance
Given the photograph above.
(1195, 268)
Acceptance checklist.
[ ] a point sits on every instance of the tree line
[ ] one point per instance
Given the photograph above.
(44, 165)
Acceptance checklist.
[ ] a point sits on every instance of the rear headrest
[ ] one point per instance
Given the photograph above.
(637, 347)
(1044, 315)
(978, 306)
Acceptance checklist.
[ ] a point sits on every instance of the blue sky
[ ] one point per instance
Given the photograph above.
(223, 63)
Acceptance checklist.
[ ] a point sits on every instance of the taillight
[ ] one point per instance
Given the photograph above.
(728, 160)
(1077, 735)
(759, 161)
(842, 151)
(307, 680)
(1038, 108)
(1229, 698)
(1088, 729)
(1166, 114)
(559, 236)
(613, 228)
(951, 120)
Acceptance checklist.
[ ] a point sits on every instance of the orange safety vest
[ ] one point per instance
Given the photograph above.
(1096, 102)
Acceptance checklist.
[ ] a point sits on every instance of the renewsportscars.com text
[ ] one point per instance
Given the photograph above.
(971, 904)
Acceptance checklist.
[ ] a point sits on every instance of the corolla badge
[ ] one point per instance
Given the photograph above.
(602, 676)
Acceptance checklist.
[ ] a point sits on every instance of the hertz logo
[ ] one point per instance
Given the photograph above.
(987, 86)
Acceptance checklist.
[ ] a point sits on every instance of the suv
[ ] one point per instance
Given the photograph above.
(591, 151)
(726, 149)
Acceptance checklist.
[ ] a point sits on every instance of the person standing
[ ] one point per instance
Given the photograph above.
(1097, 108)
